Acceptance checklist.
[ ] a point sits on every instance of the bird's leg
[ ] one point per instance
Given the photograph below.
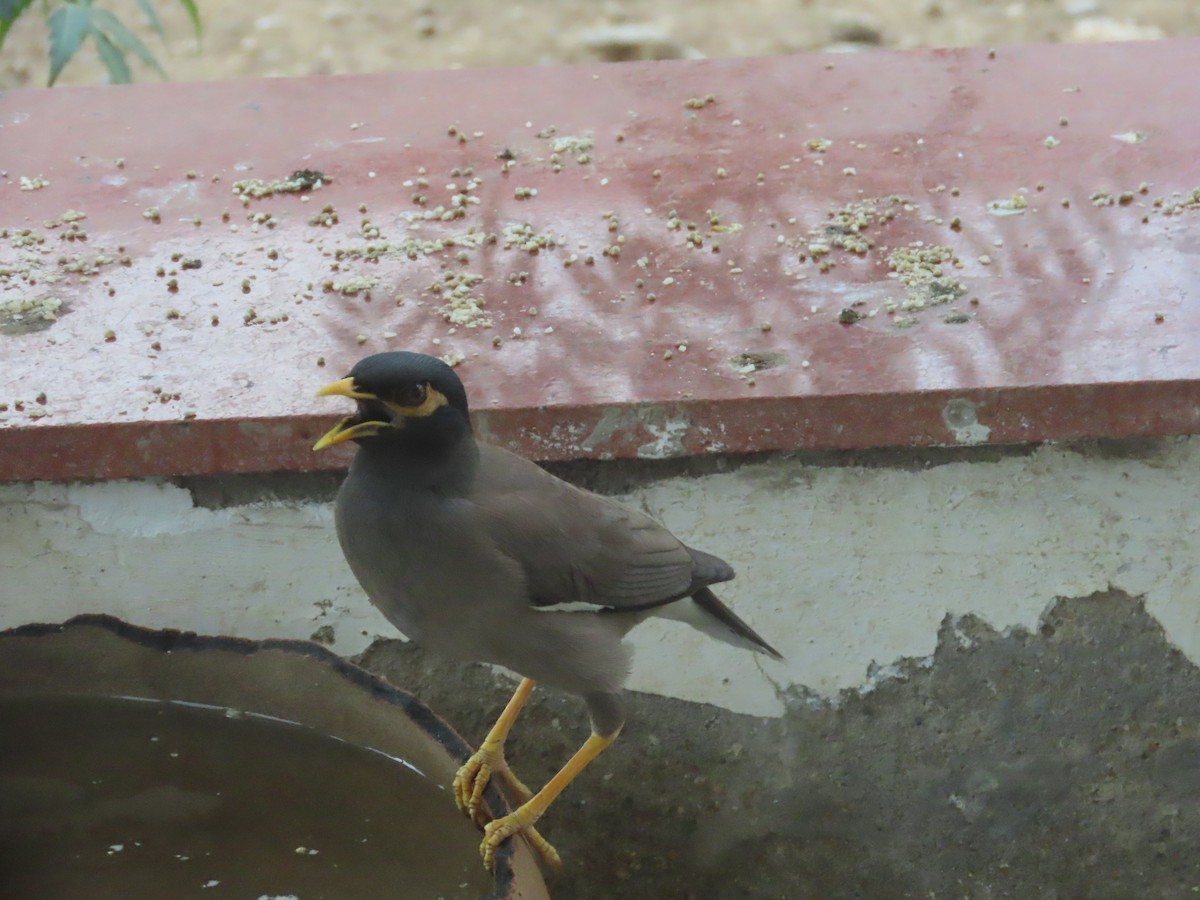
(476, 772)
(526, 815)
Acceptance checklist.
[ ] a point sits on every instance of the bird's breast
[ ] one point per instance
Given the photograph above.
(419, 557)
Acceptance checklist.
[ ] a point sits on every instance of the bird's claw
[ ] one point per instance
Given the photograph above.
(473, 778)
(469, 784)
(499, 830)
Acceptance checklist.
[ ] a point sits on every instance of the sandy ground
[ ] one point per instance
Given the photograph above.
(301, 37)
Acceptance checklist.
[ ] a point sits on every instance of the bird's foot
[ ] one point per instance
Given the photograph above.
(498, 831)
(473, 777)
(524, 817)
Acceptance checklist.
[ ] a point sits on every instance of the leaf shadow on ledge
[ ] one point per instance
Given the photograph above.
(1059, 764)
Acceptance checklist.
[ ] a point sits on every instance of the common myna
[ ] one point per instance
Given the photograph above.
(479, 554)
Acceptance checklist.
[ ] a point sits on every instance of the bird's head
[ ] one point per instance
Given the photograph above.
(400, 395)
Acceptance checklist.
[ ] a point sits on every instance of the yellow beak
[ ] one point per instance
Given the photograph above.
(347, 429)
(344, 387)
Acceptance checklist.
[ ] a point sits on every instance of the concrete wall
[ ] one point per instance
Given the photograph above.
(951, 590)
(846, 569)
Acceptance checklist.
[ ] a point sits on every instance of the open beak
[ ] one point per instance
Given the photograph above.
(344, 387)
(351, 427)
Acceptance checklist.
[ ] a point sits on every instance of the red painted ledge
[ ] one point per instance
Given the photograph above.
(1059, 180)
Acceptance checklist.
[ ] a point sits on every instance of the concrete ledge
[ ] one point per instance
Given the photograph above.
(672, 231)
(944, 722)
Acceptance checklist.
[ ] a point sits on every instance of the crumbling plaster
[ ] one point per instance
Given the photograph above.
(846, 568)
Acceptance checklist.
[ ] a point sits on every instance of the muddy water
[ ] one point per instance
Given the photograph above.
(114, 798)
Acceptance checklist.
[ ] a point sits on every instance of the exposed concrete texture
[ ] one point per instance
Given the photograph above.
(845, 568)
(1046, 765)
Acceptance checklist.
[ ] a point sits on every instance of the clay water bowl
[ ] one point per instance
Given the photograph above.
(149, 764)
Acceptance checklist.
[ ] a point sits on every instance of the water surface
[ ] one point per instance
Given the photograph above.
(120, 798)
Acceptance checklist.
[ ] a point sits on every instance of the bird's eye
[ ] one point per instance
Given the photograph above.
(411, 395)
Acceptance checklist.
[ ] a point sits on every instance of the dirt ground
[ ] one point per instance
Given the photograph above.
(302, 37)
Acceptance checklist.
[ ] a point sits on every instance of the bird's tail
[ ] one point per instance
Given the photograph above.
(704, 612)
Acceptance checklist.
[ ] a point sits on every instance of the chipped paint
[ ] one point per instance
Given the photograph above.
(619, 425)
(612, 421)
(961, 418)
(141, 509)
(668, 435)
(826, 566)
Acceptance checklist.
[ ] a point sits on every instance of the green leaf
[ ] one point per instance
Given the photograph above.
(69, 25)
(113, 58)
(193, 14)
(152, 18)
(126, 40)
(9, 11)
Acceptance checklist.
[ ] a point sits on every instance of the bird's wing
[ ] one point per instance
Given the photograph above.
(577, 547)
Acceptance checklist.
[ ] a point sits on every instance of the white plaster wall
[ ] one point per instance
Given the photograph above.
(838, 567)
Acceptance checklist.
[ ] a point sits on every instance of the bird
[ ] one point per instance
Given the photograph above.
(479, 554)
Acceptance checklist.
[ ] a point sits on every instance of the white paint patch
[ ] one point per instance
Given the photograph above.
(844, 570)
(144, 509)
(878, 676)
(141, 551)
(668, 440)
(162, 196)
(611, 422)
(960, 417)
(1131, 137)
(841, 568)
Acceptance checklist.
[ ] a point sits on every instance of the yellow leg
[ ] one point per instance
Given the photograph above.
(525, 816)
(477, 771)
